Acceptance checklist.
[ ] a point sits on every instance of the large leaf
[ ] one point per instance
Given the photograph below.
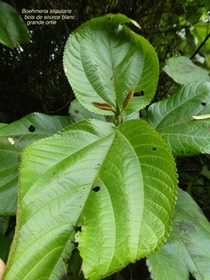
(175, 119)
(13, 31)
(115, 186)
(188, 246)
(183, 71)
(104, 59)
(13, 138)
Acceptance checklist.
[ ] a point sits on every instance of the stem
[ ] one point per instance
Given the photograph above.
(118, 119)
(200, 46)
(118, 116)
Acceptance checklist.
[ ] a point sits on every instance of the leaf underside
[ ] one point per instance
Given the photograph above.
(104, 59)
(187, 248)
(117, 184)
(174, 119)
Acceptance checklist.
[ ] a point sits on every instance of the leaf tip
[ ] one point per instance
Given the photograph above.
(128, 97)
(135, 24)
(201, 117)
(65, 68)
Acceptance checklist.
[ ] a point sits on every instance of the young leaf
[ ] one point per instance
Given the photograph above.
(104, 58)
(188, 246)
(115, 186)
(183, 71)
(103, 106)
(13, 138)
(174, 119)
(128, 98)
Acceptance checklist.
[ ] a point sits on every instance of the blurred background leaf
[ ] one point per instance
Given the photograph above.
(13, 30)
(183, 71)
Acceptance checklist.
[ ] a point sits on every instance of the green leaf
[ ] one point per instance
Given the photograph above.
(205, 172)
(104, 59)
(114, 187)
(2, 124)
(200, 32)
(13, 138)
(183, 71)
(13, 31)
(188, 246)
(174, 118)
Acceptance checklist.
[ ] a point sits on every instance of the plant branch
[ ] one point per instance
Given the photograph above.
(200, 46)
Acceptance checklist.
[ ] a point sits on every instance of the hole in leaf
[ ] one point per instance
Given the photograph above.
(31, 128)
(76, 111)
(75, 244)
(203, 103)
(154, 149)
(140, 93)
(96, 189)
(95, 67)
(97, 166)
(78, 228)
